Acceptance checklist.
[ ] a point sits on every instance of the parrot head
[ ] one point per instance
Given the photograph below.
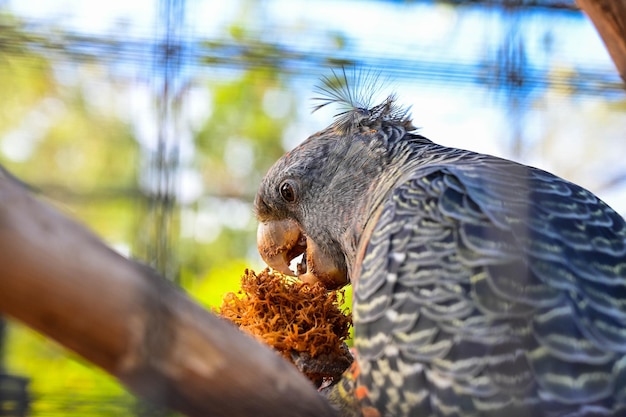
(317, 199)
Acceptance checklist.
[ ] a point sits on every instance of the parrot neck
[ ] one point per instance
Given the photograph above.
(404, 156)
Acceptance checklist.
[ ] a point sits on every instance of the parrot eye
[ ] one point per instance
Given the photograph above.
(288, 191)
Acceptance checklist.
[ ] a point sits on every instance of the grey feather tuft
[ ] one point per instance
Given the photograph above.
(355, 95)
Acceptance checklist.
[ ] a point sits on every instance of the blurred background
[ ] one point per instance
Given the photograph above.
(153, 121)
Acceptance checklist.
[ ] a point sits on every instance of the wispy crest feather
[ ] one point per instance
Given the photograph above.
(355, 95)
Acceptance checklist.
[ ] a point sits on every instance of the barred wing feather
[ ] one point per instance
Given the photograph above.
(492, 288)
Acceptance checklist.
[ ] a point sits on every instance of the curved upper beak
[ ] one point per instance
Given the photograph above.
(280, 241)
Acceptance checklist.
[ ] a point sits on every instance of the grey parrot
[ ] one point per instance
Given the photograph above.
(481, 286)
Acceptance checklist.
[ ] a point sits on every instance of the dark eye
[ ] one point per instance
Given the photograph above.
(288, 191)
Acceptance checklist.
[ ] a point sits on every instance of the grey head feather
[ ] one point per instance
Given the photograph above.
(354, 94)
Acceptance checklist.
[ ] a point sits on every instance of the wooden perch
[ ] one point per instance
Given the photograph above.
(61, 280)
(609, 18)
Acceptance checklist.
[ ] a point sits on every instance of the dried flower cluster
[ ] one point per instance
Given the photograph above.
(297, 319)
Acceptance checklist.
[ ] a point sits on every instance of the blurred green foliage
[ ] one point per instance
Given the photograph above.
(68, 130)
(80, 157)
(78, 129)
(62, 383)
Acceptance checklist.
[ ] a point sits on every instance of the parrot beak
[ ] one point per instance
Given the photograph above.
(280, 241)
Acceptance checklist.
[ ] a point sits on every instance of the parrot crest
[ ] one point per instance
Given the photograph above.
(355, 96)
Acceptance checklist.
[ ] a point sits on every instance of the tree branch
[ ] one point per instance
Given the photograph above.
(609, 18)
(61, 280)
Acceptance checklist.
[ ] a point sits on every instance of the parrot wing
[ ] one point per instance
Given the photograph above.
(489, 285)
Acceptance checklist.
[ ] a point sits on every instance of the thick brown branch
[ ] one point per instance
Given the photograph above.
(609, 18)
(63, 281)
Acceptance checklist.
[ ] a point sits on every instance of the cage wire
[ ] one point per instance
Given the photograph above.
(170, 55)
(162, 164)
